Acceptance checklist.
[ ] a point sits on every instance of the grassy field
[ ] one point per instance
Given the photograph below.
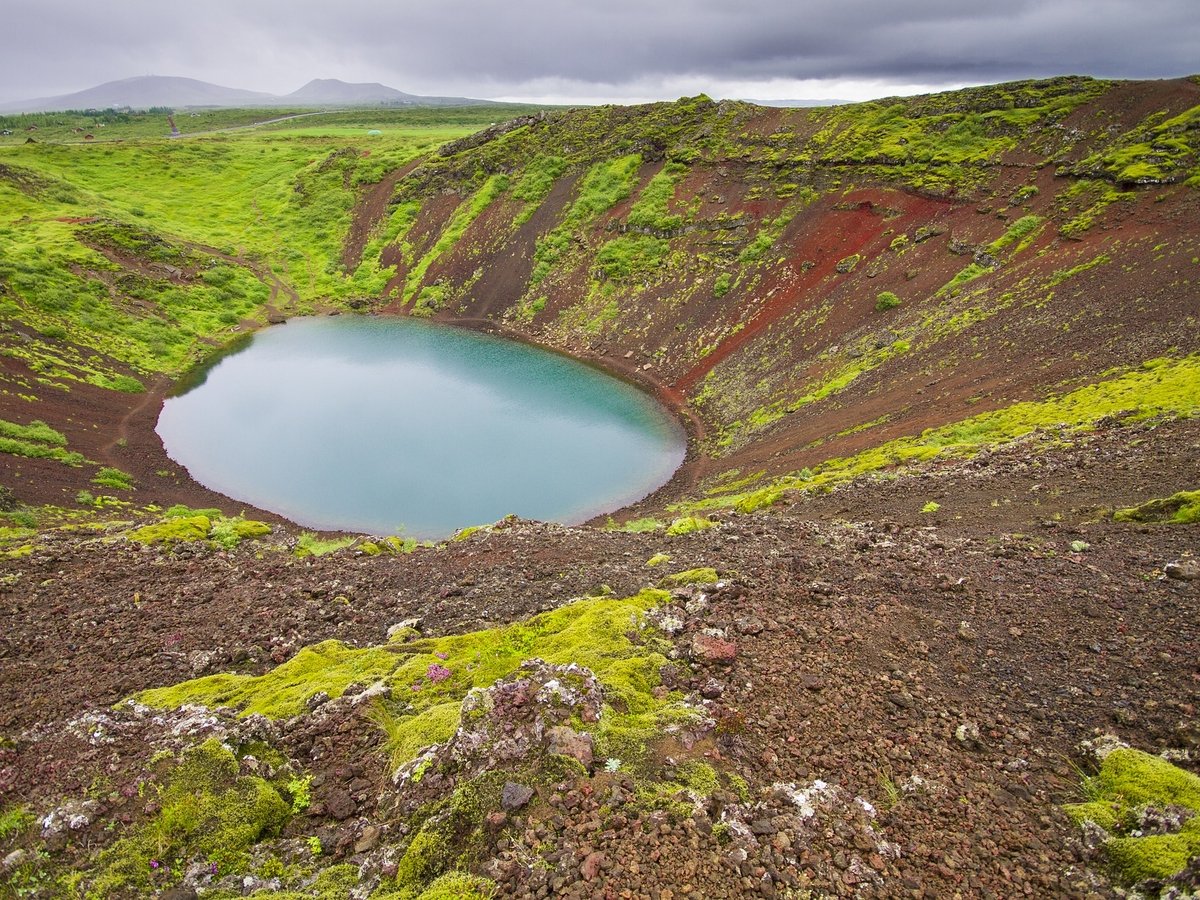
(247, 215)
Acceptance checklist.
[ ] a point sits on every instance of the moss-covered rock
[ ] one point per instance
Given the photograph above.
(1178, 509)
(1151, 811)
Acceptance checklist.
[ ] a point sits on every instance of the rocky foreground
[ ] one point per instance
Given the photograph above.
(874, 708)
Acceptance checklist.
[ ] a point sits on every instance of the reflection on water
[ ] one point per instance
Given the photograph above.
(381, 425)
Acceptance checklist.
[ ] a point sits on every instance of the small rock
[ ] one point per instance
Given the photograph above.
(813, 682)
(1183, 569)
(13, 860)
(967, 734)
(514, 796)
(591, 865)
(708, 648)
(339, 804)
(749, 625)
(566, 741)
(368, 840)
(179, 892)
(320, 698)
(966, 632)
(711, 689)
(413, 624)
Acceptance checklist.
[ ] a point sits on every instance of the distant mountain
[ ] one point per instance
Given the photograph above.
(161, 90)
(332, 91)
(142, 92)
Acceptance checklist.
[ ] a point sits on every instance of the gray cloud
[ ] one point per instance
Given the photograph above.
(615, 49)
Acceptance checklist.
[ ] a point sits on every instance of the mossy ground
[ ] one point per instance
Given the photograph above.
(207, 811)
(429, 677)
(1129, 782)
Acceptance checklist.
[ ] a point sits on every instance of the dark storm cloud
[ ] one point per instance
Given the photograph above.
(487, 47)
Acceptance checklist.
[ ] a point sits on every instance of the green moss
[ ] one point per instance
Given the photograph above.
(690, 576)
(206, 811)
(592, 633)
(427, 856)
(1181, 509)
(308, 544)
(931, 506)
(15, 820)
(1063, 274)
(658, 559)
(229, 532)
(183, 528)
(688, 524)
(282, 692)
(970, 273)
(637, 526)
(1138, 778)
(113, 478)
(756, 500)
(1128, 781)
(1104, 813)
(1135, 859)
(886, 300)
(459, 886)
(408, 735)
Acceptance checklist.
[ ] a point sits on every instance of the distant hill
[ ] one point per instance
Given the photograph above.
(145, 91)
(142, 92)
(332, 91)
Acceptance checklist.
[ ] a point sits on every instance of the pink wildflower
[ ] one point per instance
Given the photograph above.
(442, 655)
(437, 673)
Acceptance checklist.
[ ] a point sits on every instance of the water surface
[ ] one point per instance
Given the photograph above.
(396, 425)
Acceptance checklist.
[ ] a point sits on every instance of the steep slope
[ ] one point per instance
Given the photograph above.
(816, 283)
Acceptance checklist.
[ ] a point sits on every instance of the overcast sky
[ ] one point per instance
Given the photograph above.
(594, 52)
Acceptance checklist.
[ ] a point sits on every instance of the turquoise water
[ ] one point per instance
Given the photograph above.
(395, 425)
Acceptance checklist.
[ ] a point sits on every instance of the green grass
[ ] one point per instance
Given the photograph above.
(1021, 232)
(536, 183)
(113, 478)
(652, 208)
(278, 199)
(603, 186)
(632, 255)
(37, 440)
